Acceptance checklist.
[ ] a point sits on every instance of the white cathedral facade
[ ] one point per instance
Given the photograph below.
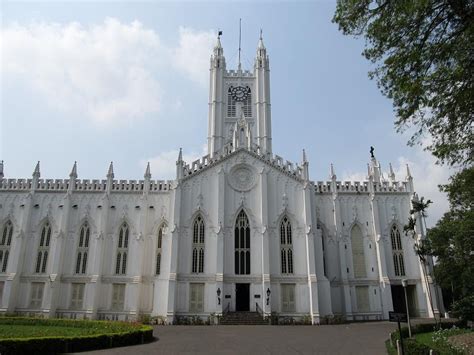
(239, 230)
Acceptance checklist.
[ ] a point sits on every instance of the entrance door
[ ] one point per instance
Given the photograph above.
(242, 297)
(398, 299)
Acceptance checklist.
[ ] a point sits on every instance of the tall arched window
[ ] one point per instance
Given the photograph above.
(159, 243)
(83, 249)
(43, 248)
(323, 243)
(242, 244)
(286, 247)
(5, 245)
(397, 251)
(198, 245)
(122, 250)
(358, 256)
(244, 96)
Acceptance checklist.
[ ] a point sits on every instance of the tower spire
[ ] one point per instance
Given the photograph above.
(240, 42)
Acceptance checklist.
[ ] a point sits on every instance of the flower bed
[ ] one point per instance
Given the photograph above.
(426, 338)
(49, 336)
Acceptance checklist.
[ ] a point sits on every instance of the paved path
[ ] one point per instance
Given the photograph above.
(354, 338)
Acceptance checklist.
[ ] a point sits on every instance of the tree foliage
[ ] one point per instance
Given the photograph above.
(451, 241)
(423, 51)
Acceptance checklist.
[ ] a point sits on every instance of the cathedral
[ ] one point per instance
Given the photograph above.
(239, 230)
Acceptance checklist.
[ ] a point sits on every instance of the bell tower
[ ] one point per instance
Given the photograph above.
(239, 96)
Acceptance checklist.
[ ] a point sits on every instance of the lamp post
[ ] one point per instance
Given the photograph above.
(405, 284)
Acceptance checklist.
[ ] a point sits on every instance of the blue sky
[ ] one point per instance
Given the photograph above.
(128, 82)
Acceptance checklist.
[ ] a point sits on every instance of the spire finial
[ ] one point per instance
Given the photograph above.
(147, 171)
(332, 173)
(391, 173)
(37, 173)
(73, 174)
(408, 172)
(261, 34)
(180, 155)
(304, 157)
(1, 169)
(240, 41)
(110, 173)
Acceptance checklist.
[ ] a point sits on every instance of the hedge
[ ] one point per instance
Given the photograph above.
(115, 334)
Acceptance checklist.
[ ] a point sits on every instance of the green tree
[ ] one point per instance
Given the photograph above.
(451, 241)
(419, 210)
(423, 53)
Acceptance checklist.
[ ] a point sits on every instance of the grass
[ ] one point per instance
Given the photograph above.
(37, 331)
(438, 340)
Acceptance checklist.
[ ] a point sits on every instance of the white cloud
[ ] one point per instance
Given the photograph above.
(426, 178)
(192, 55)
(106, 73)
(163, 166)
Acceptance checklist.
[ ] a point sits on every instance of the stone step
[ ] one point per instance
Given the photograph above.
(243, 318)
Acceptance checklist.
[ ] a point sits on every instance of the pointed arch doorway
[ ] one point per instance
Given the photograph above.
(242, 261)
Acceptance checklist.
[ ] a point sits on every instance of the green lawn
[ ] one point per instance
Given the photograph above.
(33, 331)
(438, 340)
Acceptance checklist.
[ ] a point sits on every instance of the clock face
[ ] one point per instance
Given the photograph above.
(239, 93)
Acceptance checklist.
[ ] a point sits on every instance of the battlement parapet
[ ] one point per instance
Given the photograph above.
(360, 187)
(237, 73)
(84, 185)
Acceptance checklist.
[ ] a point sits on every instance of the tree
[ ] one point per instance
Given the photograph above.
(451, 241)
(423, 53)
(419, 207)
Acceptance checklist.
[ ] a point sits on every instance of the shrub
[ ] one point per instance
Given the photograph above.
(464, 308)
(114, 334)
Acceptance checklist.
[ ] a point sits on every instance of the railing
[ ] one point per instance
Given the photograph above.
(259, 310)
(226, 310)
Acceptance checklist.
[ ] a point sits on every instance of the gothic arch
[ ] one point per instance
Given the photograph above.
(160, 223)
(363, 229)
(296, 226)
(47, 219)
(251, 217)
(204, 215)
(121, 221)
(10, 217)
(388, 228)
(89, 221)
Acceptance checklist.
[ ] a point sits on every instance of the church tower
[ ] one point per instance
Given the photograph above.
(239, 98)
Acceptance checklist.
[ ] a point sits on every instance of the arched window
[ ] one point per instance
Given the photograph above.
(83, 249)
(43, 248)
(242, 244)
(5, 245)
(198, 245)
(323, 243)
(122, 250)
(286, 247)
(159, 243)
(397, 251)
(246, 101)
(358, 256)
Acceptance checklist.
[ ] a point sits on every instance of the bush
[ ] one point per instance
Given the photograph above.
(464, 308)
(412, 347)
(114, 334)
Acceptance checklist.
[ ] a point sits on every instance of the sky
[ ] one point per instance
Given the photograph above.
(127, 82)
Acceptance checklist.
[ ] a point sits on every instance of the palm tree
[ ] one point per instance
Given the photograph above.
(419, 208)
